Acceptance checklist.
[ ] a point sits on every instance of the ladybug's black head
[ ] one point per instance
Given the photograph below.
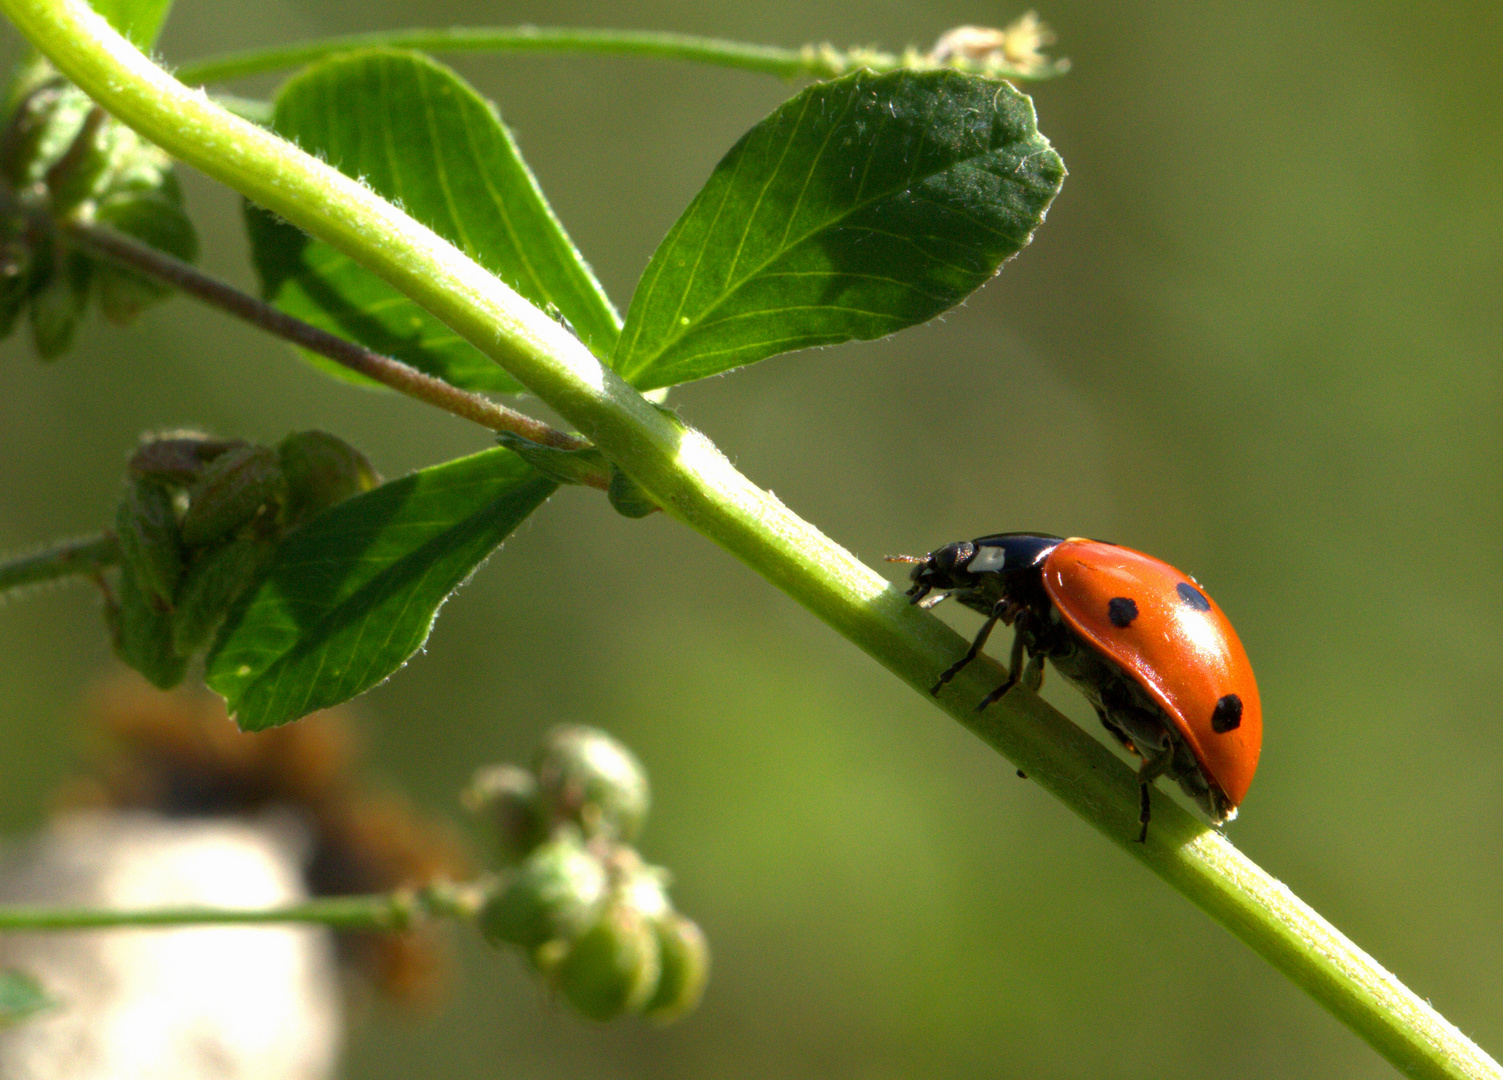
(940, 569)
(980, 572)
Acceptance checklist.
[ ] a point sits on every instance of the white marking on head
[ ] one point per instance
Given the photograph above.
(986, 559)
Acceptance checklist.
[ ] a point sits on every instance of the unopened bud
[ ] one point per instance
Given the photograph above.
(155, 218)
(214, 581)
(589, 778)
(684, 968)
(142, 635)
(59, 297)
(147, 531)
(612, 968)
(178, 457)
(505, 798)
(321, 470)
(230, 492)
(556, 892)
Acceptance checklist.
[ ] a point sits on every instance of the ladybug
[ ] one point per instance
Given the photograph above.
(1153, 654)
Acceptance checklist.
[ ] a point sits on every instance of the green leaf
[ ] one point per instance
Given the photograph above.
(139, 20)
(20, 996)
(860, 207)
(421, 137)
(350, 595)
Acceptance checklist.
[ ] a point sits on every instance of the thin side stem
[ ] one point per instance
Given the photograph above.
(694, 483)
(391, 373)
(379, 911)
(76, 557)
(810, 61)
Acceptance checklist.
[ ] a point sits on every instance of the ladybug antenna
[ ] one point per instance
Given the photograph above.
(907, 558)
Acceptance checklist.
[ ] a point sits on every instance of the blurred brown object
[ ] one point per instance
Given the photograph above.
(179, 755)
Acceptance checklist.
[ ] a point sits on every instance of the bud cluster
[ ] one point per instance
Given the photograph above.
(62, 159)
(593, 919)
(198, 524)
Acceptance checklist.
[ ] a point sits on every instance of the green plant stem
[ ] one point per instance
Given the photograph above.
(87, 556)
(379, 911)
(811, 61)
(692, 481)
(391, 373)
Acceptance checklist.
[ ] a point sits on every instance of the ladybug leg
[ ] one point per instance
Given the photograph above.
(1145, 808)
(974, 651)
(1032, 676)
(1152, 768)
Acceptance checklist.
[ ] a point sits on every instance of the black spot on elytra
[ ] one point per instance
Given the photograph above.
(1227, 716)
(1121, 611)
(1194, 598)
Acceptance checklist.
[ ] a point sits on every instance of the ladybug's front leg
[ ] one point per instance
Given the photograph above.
(1032, 676)
(999, 611)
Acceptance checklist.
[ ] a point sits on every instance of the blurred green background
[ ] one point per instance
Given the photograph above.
(1259, 336)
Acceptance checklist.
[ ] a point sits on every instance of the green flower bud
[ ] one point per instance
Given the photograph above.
(51, 120)
(589, 778)
(214, 581)
(321, 470)
(155, 219)
(61, 156)
(178, 457)
(54, 135)
(59, 291)
(80, 171)
(505, 797)
(556, 892)
(612, 968)
(147, 531)
(229, 493)
(641, 887)
(627, 498)
(684, 968)
(142, 635)
(35, 95)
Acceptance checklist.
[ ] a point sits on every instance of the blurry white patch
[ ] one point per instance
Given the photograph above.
(201, 1002)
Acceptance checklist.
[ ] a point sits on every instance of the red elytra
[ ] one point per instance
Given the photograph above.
(1155, 656)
